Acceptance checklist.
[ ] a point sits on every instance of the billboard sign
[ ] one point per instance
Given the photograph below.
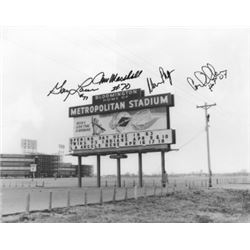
(122, 140)
(118, 96)
(33, 167)
(121, 122)
(28, 146)
(135, 123)
(125, 105)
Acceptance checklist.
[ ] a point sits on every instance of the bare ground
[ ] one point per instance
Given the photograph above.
(186, 206)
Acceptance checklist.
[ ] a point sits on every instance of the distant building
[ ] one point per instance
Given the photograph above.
(47, 165)
(18, 165)
(87, 170)
(66, 170)
(15, 165)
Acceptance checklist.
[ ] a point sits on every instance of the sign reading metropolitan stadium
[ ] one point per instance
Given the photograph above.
(129, 104)
(128, 123)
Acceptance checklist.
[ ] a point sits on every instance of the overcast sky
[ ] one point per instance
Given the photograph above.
(35, 59)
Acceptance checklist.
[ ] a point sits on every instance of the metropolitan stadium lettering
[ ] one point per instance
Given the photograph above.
(145, 102)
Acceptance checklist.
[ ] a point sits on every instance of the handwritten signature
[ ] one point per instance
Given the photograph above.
(206, 77)
(60, 89)
(91, 84)
(165, 76)
(121, 87)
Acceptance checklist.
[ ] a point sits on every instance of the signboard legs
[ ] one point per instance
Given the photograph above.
(163, 171)
(140, 169)
(119, 172)
(118, 157)
(98, 171)
(79, 171)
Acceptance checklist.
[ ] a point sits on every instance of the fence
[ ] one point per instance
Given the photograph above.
(51, 199)
(40, 197)
(111, 182)
(123, 195)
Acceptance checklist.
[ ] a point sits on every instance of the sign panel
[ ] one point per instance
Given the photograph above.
(118, 96)
(126, 105)
(33, 167)
(122, 140)
(121, 122)
(28, 146)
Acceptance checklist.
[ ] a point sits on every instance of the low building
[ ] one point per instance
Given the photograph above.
(86, 170)
(19, 165)
(66, 170)
(15, 165)
(47, 165)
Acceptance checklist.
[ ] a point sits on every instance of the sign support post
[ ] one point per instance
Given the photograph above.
(79, 171)
(140, 169)
(98, 171)
(163, 171)
(119, 172)
(118, 157)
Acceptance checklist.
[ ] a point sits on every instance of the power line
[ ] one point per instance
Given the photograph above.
(192, 139)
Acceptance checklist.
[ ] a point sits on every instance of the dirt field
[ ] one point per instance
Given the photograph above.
(197, 205)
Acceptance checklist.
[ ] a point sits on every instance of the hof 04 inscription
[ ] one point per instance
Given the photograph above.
(132, 139)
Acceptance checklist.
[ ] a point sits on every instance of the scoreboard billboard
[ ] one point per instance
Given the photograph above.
(123, 125)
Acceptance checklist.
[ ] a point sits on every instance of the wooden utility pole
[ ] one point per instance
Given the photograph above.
(207, 116)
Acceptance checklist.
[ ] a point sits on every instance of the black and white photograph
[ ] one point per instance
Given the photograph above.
(125, 125)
